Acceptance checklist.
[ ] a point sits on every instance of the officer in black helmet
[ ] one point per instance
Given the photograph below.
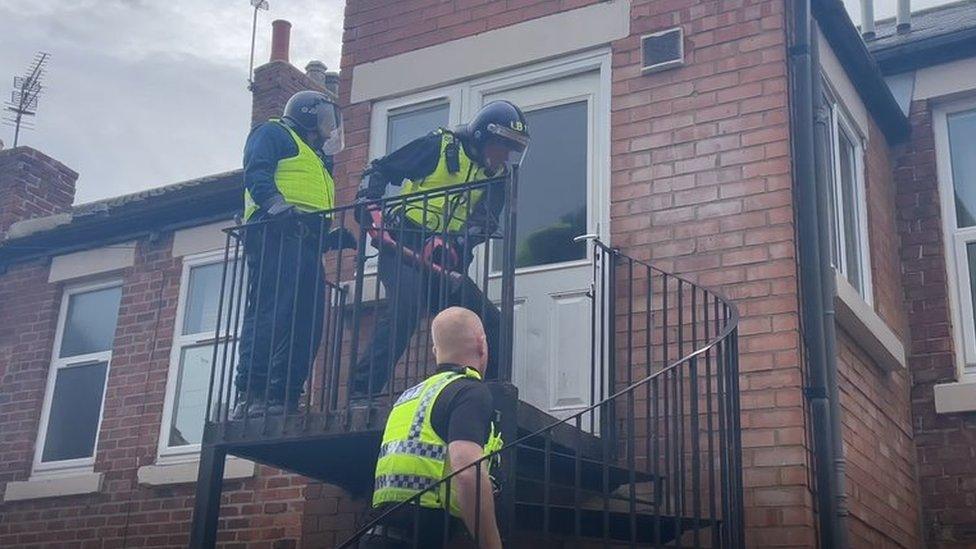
(495, 139)
(287, 178)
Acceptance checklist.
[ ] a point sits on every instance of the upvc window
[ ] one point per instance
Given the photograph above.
(954, 125)
(191, 358)
(848, 206)
(73, 400)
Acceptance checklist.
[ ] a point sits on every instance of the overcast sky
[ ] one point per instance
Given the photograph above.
(142, 93)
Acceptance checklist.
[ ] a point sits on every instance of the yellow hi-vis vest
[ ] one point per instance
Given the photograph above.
(301, 179)
(452, 209)
(412, 455)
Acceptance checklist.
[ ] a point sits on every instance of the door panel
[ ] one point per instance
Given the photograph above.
(560, 198)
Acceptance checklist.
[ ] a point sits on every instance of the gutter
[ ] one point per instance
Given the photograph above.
(94, 227)
(917, 54)
(812, 244)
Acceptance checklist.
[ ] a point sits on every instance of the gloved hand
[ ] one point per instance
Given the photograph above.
(361, 211)
(277, 207)
(441, 252)
(340, 238)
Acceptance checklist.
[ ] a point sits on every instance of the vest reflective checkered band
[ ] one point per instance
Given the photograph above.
(412, 455)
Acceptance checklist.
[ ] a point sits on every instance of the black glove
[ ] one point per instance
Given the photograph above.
(340, 238)
(277, 207)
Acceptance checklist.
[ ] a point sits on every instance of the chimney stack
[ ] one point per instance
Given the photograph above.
(867, 19)
(33, 184)
(904, 21)
(280, 39)
(275, 82)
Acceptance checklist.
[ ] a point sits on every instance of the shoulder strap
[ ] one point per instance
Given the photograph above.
(452, 153)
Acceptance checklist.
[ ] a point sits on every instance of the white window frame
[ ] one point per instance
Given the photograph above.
(379, 119)
(842, 121)
(955, 240)
(465, 98)
(188, 452)
(75, 466)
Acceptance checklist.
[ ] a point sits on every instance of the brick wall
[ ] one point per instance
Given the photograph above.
(33, 184)
(263, 511)
(945, 442)
(878, 438)
(701, 186)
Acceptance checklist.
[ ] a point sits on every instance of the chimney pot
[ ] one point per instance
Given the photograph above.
(332, 82)
(904, 19)
(316, 71)
(280, 39)
(867, 19)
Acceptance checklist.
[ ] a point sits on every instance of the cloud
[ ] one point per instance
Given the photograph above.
(143, 93)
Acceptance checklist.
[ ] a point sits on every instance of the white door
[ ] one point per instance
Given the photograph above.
(562, 194)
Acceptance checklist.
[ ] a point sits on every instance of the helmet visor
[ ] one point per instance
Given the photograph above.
(515, 142)
(329, 127)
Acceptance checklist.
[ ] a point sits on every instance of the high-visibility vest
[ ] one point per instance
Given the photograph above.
(412, 455)
(432, 212)
(301, 179)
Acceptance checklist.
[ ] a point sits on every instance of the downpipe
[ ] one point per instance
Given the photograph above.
(812, 244)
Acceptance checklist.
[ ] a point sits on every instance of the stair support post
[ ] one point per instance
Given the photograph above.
(206, 505)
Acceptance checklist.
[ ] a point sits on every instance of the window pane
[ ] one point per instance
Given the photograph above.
(90, 324)
(203, 296)
(75, 407)
(553, 186)
(971, 255)
(404, 127)
(189, 408)
(833, 208)
(852, 234)
(962, 135)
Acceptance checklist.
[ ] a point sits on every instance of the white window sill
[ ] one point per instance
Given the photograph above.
(868, 329)
(183, 472)
(55, 486)
(959, 396)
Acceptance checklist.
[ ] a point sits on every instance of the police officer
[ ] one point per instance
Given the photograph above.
(496, 138)
(441, 425)
(287, 165)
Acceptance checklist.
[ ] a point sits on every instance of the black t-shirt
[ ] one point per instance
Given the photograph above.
(463, 410)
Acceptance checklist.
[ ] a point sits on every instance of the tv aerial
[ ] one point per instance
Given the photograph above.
(23, 99)
(257, 5)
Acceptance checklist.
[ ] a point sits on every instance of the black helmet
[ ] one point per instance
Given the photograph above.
(314, 111)
(502, 123)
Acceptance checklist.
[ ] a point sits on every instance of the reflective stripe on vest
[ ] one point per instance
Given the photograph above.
(301, 179)
(412, 455)
(435, 210)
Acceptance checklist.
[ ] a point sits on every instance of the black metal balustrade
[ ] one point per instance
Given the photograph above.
(654, 461)
(667, 472)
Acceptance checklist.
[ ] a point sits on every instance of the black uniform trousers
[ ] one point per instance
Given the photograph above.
(410, 291)
(282, 323)
(398, 530)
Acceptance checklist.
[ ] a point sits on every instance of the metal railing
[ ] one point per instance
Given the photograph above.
(667, 470)
(316, 306)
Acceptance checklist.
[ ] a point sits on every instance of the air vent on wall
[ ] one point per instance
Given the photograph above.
(662, 50)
